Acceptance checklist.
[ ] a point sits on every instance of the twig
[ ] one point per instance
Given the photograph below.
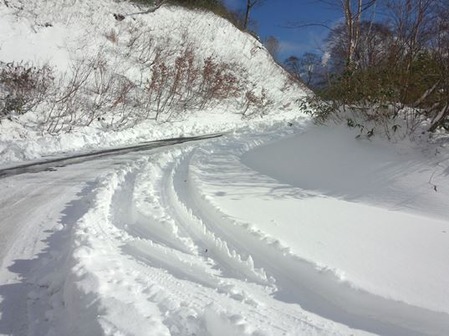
(430, 182)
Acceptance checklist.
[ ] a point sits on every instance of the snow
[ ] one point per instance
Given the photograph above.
(365, 203)
(201, 239)
(279, 227)
(62, 33)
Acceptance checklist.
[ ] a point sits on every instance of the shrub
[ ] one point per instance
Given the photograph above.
(22, 87)
(256, 105)
(187, 84)
(382, 93)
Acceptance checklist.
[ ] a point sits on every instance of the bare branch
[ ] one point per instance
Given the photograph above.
(296, 25)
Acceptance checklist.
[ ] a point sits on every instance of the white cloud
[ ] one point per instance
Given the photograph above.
(291, 47)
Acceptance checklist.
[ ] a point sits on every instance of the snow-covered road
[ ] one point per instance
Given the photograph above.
(206, 239)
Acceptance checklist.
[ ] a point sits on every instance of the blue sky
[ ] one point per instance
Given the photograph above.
(272, 15)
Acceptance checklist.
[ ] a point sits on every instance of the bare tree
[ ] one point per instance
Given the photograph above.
(412, 21)
(250, 4)
(388, 68)
(293, 66)
(374, 45)
(309, 63)
(272, 45)
(353, 10)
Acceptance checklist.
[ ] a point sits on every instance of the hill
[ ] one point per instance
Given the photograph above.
(76, 75)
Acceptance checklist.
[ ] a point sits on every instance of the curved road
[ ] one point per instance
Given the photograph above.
(199, 271)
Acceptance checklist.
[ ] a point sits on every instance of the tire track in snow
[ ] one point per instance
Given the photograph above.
(118, 268)
(115, 273)
(182, 213)
(298, 281)
(245, 240)
(168, 219)
(213, 245)
(165, 302)
(135, 278)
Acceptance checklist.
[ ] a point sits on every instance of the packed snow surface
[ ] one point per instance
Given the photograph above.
(273, 231)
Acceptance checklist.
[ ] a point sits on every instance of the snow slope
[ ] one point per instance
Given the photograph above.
(219, 238)
(64, 33)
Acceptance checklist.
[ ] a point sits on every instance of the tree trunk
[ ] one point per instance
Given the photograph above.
(439, 119)
(353, 20)
(248, 9)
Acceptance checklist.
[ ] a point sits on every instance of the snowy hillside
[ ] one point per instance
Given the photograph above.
(107, 61)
